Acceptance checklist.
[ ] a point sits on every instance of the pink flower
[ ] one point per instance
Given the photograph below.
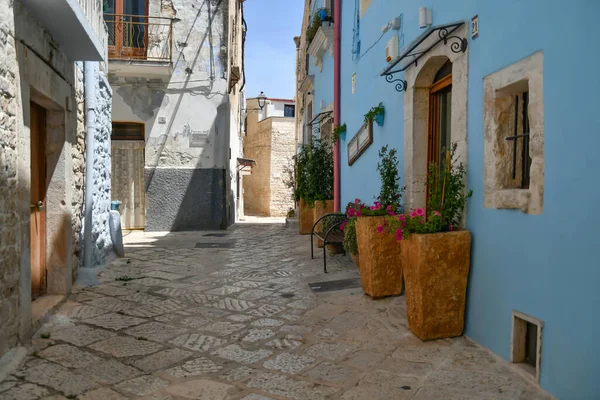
(351, 213)
(343, 225)
(356, 201)
(420, 212)
(391, 213)
(401, 217)
(380, 229)
(389, 208)
(450, 227)
(437, 214)
(413, 214)
(399, 234)
(358, 214)
(377, 206)
(362, 206)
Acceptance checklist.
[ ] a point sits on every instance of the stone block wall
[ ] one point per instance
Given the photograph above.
(9, 209)
(283, 148)
(257, 146)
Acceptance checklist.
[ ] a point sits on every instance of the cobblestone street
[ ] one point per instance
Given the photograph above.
(230, 315)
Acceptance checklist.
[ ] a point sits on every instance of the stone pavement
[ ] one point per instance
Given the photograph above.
(180, 319)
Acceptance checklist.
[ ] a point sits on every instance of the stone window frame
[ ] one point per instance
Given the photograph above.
(419, 78)
(498, 89)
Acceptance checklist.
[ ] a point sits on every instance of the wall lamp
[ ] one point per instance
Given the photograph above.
(262, 100)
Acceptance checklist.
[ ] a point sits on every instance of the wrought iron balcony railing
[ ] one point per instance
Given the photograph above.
(139, 37)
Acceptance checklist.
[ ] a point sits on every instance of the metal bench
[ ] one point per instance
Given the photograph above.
(331, 236)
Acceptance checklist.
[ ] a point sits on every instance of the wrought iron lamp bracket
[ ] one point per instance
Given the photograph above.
(400, 83)
(457, 45)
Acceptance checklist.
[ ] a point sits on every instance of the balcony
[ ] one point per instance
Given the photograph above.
(139, 41)
(77, 25)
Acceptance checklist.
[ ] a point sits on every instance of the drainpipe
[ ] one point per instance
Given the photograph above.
(337, 18)
(89, 77)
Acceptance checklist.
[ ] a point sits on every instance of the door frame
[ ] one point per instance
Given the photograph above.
(38, 193)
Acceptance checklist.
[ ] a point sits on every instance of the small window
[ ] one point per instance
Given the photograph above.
(127, 131)
(526, 344)
(514, 136)
(359, 142)
(289, 110)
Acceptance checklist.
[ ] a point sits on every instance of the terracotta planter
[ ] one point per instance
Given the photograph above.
(336, 248)
(321, 208)
(436, 269)
(306, 218)
(356, 260)
(380, 259)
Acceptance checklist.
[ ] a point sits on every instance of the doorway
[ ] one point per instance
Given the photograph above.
(37, 204)
(127, 23)
(440, 114)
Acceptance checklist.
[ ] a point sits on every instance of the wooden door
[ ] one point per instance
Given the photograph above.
(127, 22)
(127, 183)
(38, 200)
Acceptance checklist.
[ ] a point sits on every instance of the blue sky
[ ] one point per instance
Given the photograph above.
(270, 49)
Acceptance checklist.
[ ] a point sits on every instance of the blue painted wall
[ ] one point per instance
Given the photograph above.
(323, 83)
(543, 265)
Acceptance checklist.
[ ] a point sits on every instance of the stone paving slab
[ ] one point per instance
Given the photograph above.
(242, 323)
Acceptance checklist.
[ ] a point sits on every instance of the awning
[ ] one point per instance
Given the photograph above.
(426, 41)
(245, 165)
(321, 117)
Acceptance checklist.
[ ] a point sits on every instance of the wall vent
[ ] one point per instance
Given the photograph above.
(526, 345)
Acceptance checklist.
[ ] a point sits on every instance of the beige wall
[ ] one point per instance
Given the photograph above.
(283, 149)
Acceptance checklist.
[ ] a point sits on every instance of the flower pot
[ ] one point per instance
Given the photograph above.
(306, 218)
(322, 14)
(379, 119)
(380, 258)
(356, 260)
(335, 248)
(321, 208)
(436, 269)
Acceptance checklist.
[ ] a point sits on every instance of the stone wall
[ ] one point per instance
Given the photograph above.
(9, 215)
(283, 148)
(257, 146)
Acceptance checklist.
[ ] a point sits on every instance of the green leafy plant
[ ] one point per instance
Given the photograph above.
(338, 131)
(289, 179)
(313, 28)
(332, 221)
(390, 194)
(374, 111)
(314, 172)
(353, 211)
(446, 200)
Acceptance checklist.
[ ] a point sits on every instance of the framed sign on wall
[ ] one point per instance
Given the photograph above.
(360, 141)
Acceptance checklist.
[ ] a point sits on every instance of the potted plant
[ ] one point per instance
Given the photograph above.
(436, 255)
(380, 257)
(320, 181)
(302, 193)
(339, 132)
(376, 114)
(353, 211)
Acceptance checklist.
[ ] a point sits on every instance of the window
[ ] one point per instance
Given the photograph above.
(289, 110)
(359, 142)
(514, 136)
(127, 131)
(526, 344)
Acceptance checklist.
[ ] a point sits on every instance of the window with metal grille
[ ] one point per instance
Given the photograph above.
(289, 110)
(521, 133)
(127, 131)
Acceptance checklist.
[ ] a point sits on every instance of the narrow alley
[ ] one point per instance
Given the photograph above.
(230, 315)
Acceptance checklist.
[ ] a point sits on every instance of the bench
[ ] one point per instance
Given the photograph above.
(332, 236)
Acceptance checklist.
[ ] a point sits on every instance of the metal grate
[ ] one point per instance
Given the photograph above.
(329, 286)
(213, 245)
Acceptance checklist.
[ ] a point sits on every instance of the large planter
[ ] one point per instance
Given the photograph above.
(306, 218)
(436, 268)
(380, 259)
(335, 248)
(321, 208)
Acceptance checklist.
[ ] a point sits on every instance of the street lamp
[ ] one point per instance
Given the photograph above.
(262, 99)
